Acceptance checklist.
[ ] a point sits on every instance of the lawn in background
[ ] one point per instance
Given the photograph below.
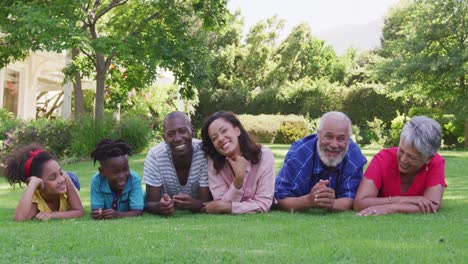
(310, 237)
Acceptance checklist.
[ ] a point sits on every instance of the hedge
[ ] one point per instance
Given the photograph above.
(280, 129)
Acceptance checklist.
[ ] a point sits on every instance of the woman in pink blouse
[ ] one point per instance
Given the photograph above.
(407, 179)
(240, 172)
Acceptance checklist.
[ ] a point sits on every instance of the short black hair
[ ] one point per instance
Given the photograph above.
(107, 148)
(174, 115)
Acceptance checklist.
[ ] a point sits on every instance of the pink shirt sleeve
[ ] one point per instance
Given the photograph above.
(221, 187)
(261, 199)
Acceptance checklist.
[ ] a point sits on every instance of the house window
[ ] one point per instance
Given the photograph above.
(10, 91)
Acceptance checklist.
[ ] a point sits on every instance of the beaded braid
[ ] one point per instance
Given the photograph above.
(107, 148)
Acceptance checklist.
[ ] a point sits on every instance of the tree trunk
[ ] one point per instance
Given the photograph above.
(466, 133)
(100, 88)
(77, 89)
(99, 103)
(462, 87)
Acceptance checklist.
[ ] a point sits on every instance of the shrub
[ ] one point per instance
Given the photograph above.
(85, 133)
(53, 134)
(365, 102)
(452, 128)
(135, 131)
(265, 128)
(75, 139)
(453, 132)
(375, 133)
(304, 96)
(356, 136)
(56, 135)
(262, 127)
(290, 132)
(395, 130)
(7, 123)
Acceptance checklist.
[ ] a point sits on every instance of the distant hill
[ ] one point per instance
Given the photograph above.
(363, 37)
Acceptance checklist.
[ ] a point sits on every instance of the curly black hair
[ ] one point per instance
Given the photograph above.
(107, 148)
(16, 162)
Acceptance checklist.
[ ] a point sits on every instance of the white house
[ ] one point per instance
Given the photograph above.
(22, 81)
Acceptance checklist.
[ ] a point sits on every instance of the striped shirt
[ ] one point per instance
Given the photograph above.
(303, 168)
(159, 170)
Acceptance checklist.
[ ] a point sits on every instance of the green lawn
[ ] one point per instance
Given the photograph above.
(311, 237)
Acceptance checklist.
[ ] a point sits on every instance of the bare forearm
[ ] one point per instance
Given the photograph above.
(363, 203)
(23, 210)
(67, 214)
(152, 207)
(342, 204)
(130, 213)
(405, 208)
(73, 197)
(196, 205)
(295, 203)
(160, 208)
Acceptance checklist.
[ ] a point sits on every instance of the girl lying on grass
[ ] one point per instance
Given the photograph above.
(115, 190)
(50, 192)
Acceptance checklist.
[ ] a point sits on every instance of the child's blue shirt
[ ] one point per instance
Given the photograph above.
(103, 197)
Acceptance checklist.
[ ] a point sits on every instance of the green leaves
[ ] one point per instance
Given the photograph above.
(135, 36)
(425, 46)
(425, 42)
(30, 26)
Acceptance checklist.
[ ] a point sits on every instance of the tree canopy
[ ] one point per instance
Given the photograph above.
(138, 36)
(424, 46)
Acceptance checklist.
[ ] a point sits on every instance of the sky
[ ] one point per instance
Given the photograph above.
(321, 15)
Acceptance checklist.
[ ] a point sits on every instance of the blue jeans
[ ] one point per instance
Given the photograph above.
(74, 178)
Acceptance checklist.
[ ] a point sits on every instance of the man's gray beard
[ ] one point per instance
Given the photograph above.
(330, 163)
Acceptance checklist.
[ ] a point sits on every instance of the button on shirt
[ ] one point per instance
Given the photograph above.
(303, 168)
(103, 197)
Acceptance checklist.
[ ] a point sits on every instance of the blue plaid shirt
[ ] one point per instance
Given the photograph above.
(302, 169)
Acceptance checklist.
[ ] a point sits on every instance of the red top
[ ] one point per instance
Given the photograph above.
(383, 171)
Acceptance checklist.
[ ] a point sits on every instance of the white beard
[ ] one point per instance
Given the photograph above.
(333, 162)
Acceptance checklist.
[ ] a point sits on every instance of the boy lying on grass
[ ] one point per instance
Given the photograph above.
(115, 190)
(50, 192)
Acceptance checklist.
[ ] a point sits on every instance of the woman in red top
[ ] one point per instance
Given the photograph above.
(407, 179)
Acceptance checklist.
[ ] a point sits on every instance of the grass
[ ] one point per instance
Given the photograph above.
(276, 237)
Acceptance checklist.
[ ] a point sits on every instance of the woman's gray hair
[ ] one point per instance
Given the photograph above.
(424, 134)
(337, 116)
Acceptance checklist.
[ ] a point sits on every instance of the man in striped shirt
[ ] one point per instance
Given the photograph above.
(175, 171)
(321, 170)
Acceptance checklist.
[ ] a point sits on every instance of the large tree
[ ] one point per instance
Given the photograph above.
(303, 55)
(249, 76)
(425, 49)
(138, 36)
